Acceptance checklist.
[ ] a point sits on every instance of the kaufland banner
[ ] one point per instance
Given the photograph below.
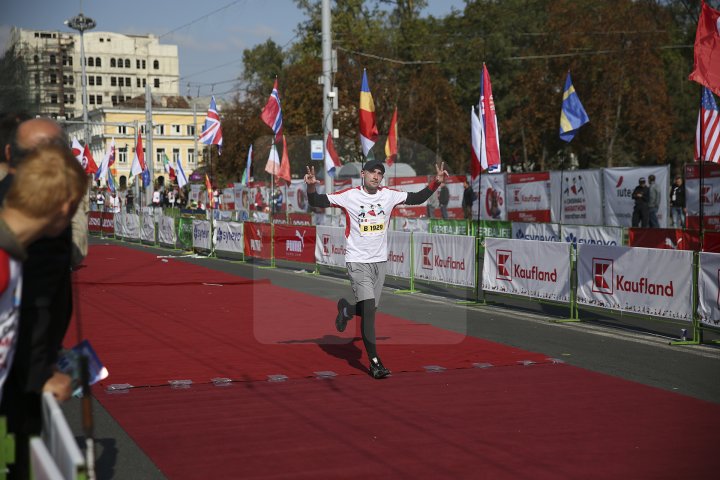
(528, 197)
(147, 232)
(330, 246)
(491, 202)
(645, 281)
(577, 197)
(398, 262)
(619, 184)
(582, 234)
(710, 196)
(543, 232)
(166, 232)
(709, 293)
(228, 237)
(444, 258)
(201, 234)
(531, 269)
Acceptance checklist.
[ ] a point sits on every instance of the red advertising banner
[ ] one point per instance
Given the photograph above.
(300, 219)
(257, 240)
(711, 242)
(95, 222)
(665, 238)
(295, 243)
(528, 197)
(710, 195)
(108, 223)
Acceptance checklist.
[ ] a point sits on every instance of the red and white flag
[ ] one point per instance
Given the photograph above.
(332, 160)
(272, 113)
(478, 141)
(489, 124)
(391, 145)
(706, 70)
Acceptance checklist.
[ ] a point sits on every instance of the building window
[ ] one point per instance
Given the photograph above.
(143, 65)
(65, 99)
(53, 78)
(160, 129)
(191, 130)
(65, 60)
(92, 99)
(113, 81)
(70, 61)
(142, 128)
(159, 155)
(113, 99)
(122, 155)
(112, 62)
(137, 83)
(37, 79)
(121, 81)
(36, 59)
(53, 60)
(91, 80)
(72, 98)
(99, 99)
(119, 62)
(127, 98)
(127, 63)
(122, 129)
(98, 63)
(191, 156)
(156, 64)
(98, 80)
(128, 83)
(91, 62)
(37, 99)
(176, 129)
(176, 154)
(137, 64)
(156, 83)
(144, 82)
(53, 98)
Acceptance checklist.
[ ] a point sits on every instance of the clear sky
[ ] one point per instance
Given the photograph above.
(210, 49)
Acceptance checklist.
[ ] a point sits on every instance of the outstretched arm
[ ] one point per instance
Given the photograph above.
(416, 198)
(315, 199)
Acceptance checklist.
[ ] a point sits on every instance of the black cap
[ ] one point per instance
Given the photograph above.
(642, 179)
(372, 165)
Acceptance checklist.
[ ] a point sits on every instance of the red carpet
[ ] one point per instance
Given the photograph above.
(152, 321)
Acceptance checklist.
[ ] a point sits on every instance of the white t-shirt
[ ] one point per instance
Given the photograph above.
(114, 204)
(367, 216)
(11, 280)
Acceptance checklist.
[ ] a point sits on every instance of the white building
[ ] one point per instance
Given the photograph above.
(118, 68)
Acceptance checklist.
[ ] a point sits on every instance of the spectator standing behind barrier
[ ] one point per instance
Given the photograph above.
(653, 202)
(129, 201)
(432, 204)
(677, 203)
(59, 182)
(468, 198)
(444, 199)
(45, 311)
(640, 216)
(114, 202)
(100, 200)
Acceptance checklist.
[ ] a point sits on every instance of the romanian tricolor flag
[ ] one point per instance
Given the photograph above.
(391, 145)
(368, 127)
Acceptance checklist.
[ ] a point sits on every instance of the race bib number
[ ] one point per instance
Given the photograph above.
(369, 229)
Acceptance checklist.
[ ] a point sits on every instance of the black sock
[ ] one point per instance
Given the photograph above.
(367, 326)
(351, 310)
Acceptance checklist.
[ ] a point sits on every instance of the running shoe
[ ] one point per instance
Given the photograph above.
(342, 316)
(377, 369)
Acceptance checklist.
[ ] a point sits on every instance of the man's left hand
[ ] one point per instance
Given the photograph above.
(442, 174)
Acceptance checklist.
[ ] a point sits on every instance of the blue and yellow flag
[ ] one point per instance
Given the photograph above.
(573, 115)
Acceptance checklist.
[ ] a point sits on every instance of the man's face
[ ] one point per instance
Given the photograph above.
(678, 181)
(372, 178)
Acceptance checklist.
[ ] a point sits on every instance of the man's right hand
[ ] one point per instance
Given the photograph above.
(59, 385)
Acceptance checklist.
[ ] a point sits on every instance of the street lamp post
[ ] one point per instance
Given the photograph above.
(82, 23)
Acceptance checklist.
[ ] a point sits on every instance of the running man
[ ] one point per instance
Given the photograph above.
(366, 250)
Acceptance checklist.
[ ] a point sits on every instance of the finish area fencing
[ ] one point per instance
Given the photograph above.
(591, 269)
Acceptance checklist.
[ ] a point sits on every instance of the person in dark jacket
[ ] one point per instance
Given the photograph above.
(677, 203)
(468, 199)
(641, 212)
(444, 199)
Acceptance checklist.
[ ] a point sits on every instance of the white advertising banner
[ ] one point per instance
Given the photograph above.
(228, 198)
(577, 196)
(330, 246)
(544, 232)
(492, 202)
(195, 193)
(445, 258)
(120, 225)
(404, 224)
(710, 195)
(646, 281)
(228, 237)
(147, 232)
(166, 235)
(528, 197)
(297, 197)
(132, 226)
(581, 234)
(709, 293)
(619, 184)
(201, 234)
(532, 269)
(398, 263)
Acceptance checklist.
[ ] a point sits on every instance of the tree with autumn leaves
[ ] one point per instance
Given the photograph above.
(629, 62)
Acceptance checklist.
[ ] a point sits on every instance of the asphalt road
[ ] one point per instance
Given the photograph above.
(632, 348)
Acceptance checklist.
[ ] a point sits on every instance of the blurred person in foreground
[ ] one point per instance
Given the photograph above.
(45, 310)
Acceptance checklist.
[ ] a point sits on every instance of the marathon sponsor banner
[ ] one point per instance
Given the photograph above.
(415, 184)
(94, 222)
(543, 232)
(398, 262)
(449, 227)
(330, 245)
(710, 195)
(119, 220)
(240, 197)
(645, 281)
(201, 234)
(528, 197)
(297, 200)
(708, 289)
(664, 238)
(195, 192)
(228, 237)
(444, 258)
(619, 184)
(578, 196)
(531, 269)
(404, 224)
(495, 229)
(491, 202)
(295, 243)
(166, 233)
(132, 226)
(582, 234)
(711, 242)
(147, 231)
(108, 223)
(299, 218)
(257, 237)
(228, 199)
